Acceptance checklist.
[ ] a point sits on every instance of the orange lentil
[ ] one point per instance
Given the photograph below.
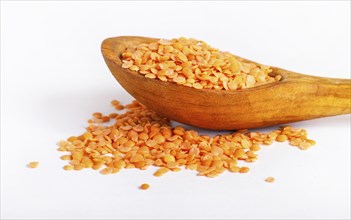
(144, 186)
(161, 171)
(62, 149)
(115, 102)
(33, 164)
(269, 179)
(78, 166)
(141, 138)
(66, 157)
(255, 148)
(172, 164)
(113, 115)
(68, 167)
(97, 167)
(282, 138)
(106, 171)
(176, 169)
(119, 107)
(244, 170)
(169, 158)
(304, 145)
(234, 169)
(312, 142)
(194, 63)
(97, 115)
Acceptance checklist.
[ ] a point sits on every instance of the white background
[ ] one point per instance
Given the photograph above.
(53, 77)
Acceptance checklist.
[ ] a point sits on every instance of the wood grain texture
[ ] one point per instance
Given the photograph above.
(296, 97)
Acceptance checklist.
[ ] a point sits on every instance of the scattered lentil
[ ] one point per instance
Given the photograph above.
(144, 186)
(140, 138)
(33, 164)
(244, 170)
(68, 167)
(269, 179)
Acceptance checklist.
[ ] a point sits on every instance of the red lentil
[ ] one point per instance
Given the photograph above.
(140, 138)
(194, 63)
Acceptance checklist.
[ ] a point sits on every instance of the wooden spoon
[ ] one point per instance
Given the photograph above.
(296, 97)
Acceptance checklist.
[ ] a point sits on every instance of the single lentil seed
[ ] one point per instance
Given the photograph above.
(282, 138)
(269, 179)
(244, 170)
(106, 171)
(68, 167)
(66, 157)
(144, 186)
(78, 166)
(33, 164)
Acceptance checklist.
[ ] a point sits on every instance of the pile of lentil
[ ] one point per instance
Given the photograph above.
(194, 63)
(140, 138)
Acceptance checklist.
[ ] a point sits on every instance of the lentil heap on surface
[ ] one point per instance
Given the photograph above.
(140, 138)
(193, 63)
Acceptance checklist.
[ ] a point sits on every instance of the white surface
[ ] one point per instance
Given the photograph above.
(53, 77)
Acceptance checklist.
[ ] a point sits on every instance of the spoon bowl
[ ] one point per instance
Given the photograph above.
(295, 97)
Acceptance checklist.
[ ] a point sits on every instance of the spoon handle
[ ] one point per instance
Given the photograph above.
(318, 96)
